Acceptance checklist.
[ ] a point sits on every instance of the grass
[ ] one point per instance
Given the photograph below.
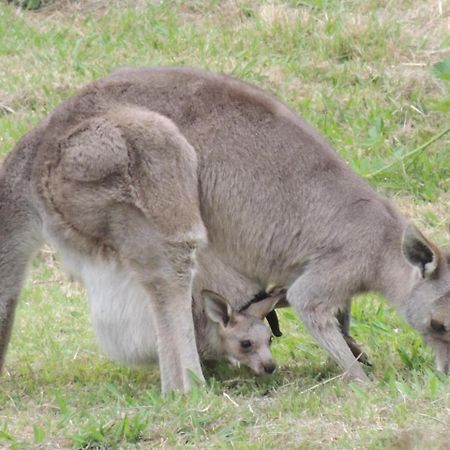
(360, 71)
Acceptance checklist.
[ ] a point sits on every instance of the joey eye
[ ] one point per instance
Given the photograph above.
(437, 326)
(246, 344)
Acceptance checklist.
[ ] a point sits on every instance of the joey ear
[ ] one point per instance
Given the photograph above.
(419, 252)
(262, 308)
(217, 308)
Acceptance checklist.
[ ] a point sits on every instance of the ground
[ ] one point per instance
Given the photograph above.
(361, 72)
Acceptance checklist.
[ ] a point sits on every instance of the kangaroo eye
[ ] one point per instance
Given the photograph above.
(270, 340)
(437, 326)
(246, 344)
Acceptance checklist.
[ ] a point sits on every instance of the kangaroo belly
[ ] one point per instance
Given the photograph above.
(119, 306)
(120, 314)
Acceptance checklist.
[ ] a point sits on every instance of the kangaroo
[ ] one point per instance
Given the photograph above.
(120, 231)
(148, 165)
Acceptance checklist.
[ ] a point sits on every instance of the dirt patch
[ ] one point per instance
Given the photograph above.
(410, 439)
(58, 10)
(82, 5)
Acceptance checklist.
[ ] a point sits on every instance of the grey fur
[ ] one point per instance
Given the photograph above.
(161, 157)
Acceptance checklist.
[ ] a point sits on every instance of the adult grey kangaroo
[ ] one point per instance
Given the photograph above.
(103, 199)
(239, 170)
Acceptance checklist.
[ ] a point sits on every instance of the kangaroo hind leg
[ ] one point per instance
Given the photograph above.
(124, 186)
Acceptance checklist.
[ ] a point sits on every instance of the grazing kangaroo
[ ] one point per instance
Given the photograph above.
(145, 166)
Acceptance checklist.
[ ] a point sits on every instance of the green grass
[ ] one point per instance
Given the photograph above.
(360, 71)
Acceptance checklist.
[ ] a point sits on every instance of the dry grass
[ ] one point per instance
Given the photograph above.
(360, 72)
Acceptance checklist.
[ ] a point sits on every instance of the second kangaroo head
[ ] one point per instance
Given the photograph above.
(242, 337)
(428, 305)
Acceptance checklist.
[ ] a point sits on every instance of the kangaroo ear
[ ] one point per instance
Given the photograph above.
(217, 308)
(419, 252)
(262, 308)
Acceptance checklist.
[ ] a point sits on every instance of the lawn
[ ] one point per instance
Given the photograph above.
(362, 72)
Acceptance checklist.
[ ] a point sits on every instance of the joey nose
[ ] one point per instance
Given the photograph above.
(269, 368)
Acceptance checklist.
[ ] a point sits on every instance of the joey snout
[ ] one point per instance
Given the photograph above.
(263, 368)
(270, 367)
(262, 363)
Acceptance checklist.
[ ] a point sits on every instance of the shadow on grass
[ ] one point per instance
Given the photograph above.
(242, 381)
